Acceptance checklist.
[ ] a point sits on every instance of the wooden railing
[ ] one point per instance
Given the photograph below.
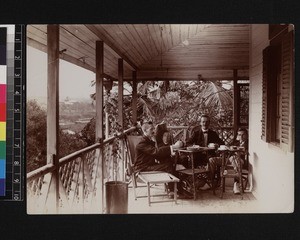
(79, 187)
(184, 132)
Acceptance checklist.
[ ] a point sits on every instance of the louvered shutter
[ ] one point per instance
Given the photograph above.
(266, 75)
(287, 70)
(264, 95)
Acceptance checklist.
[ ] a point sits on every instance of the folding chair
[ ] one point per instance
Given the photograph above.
(132, 142)
(247, 174)
(156, 176)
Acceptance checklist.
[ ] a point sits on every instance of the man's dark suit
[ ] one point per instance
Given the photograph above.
(197, 138)
(147, 153)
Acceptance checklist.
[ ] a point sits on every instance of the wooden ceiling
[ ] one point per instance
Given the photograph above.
(155, 51)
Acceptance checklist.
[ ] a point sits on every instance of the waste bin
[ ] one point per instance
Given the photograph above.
(116, 197)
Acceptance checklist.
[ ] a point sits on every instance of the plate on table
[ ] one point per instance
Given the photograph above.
(193, 148)
(222, 148)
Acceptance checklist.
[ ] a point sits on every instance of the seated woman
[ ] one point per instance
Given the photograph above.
(163, 138)
(163, 135)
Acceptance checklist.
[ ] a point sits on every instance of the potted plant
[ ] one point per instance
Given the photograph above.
(116, 191)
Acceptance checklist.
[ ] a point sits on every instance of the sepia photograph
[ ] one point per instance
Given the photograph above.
(160, 118)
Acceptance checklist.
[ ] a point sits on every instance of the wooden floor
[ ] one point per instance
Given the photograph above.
(206, 203)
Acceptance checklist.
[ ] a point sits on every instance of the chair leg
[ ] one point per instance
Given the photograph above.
(148, 186)
(213, 183)
(244, 182)
(134, 184)
(175, 192)
(222, 186)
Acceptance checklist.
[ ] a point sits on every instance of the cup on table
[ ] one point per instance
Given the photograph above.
(222, 147)
(212, 145)
(233, 147)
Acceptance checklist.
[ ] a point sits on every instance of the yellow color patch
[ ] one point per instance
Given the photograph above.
(2, 131)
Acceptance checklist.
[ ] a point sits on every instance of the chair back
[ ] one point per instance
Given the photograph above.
(132, 143)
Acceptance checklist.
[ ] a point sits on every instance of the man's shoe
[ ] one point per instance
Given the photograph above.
(205, 187)
(185, 196)
(236, 189)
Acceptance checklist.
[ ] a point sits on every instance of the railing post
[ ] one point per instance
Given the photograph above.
(235, 102)
(53, 103)
(120, 115)
(99, 111)
(83, 163)
(120, 93)
(134, 97)
(184, 134)
(56, 177)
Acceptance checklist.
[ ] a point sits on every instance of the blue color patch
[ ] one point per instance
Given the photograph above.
(2, 168)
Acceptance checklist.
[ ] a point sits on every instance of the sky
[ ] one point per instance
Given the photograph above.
(75, 82)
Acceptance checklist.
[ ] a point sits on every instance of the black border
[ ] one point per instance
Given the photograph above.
(16, 224)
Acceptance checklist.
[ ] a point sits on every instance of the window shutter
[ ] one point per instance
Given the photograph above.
(287, 90)
(264, 95)
(266, 75)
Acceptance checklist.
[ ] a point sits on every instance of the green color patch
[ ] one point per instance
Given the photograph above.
(2, 150)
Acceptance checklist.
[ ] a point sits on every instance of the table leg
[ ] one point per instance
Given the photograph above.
(148, 186)
(175, 192)
(222, 175)
(241, 188)
(193, 176)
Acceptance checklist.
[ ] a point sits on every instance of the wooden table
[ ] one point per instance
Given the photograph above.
(158, 178)
(225, 154)
(192, 171)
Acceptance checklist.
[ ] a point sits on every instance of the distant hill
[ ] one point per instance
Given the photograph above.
(42, 101)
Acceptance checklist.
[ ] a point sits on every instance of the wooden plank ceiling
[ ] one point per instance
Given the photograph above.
(155, 51)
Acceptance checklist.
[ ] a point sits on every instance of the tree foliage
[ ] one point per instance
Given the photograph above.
(36, 138)
(36, 131)
(182, 103)
(176, 103)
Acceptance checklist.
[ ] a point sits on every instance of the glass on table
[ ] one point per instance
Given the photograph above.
(213, 145)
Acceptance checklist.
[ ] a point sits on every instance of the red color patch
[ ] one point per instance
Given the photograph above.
(2, 93)
(2, 112)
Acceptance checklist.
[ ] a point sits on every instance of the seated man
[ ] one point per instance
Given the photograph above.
(202, 136)
(150, 157)
(242, 141)
(216, 162)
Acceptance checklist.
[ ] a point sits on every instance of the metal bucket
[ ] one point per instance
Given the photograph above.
(116, 197)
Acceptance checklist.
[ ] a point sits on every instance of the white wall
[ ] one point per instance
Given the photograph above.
(273, 169)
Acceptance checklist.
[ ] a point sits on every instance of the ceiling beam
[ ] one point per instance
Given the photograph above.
(186, 79)
(243, 67)
(102, 37)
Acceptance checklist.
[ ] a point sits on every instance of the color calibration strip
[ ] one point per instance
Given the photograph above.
(18, 113)
(11, 114)
(3, 86)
